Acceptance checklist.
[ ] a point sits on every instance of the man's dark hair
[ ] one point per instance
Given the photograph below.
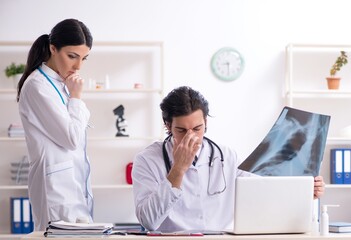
(182, 101)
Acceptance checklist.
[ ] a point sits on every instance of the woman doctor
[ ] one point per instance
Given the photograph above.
(55, 120)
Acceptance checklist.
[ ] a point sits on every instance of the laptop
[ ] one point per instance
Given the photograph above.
(273, 205)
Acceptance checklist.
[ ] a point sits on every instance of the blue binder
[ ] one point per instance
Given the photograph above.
(26, 222)
(31, 219)
(347, 166)
(336, 166)
(16, 215)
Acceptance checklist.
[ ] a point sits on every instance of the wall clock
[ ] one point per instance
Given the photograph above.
(227, 64)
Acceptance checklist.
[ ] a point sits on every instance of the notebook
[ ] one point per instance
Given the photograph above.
(273, 205)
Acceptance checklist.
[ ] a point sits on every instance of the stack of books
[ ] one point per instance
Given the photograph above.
(340, 227)
(60, 228)
(15, 130)
(127, 226)
(19, 171)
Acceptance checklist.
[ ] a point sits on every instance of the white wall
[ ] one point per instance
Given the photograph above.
(192, 30)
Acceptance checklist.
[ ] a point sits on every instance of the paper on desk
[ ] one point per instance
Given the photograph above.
(78, 226)
(67, 228)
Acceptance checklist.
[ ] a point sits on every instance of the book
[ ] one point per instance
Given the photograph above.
(128, 229)
(293, 147)
(340, 227)
(77, 229)
(127, 226)
(19, 171)
(15, 130)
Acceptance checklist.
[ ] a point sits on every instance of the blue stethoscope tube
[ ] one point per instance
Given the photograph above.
(47, 77)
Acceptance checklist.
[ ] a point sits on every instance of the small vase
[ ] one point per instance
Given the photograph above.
(16, 78)
(333, 82)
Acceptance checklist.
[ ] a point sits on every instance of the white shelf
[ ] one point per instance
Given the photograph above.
(319, 94)
(108, 44)
(139, 90)
(13, 187)
(317, 47)
(101, 139)
(333, 140)
(12, 139)
(307, 66)
(340, 141)
(336, 186)
(8, 90)
(99, 91)
(11, 236)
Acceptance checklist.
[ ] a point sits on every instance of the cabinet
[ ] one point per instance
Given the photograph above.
(127, 73)
(307, 66)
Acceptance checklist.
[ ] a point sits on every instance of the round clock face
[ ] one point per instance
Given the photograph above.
(227, 64)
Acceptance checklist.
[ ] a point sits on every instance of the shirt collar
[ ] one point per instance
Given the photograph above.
(51, 73)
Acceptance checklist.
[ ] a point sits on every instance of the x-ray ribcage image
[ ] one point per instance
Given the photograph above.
(293, 147)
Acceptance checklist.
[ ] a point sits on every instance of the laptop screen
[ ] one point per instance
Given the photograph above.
(267, 205)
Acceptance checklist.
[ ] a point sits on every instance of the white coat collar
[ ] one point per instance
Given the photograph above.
(51, 73)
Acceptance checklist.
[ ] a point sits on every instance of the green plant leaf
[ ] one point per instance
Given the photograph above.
(340, 61)
(14, 69)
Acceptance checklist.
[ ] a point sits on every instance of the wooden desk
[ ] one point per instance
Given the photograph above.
(332, 236)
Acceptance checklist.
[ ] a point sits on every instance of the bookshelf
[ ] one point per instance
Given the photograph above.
(307, 66)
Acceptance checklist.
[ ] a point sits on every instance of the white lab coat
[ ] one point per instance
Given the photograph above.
(59, 177)
(163, 208)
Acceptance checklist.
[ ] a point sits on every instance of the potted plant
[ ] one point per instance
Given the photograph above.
(333, 81)
(15, 72)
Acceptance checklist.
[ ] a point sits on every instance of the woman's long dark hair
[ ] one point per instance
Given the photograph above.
(69, 32)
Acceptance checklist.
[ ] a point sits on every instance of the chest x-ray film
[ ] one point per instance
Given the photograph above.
(293, 147)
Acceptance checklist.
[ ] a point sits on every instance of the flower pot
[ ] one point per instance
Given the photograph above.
(333, 82)
(16, 78)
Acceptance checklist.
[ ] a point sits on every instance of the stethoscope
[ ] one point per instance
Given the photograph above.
(53, 85)
(210, 163)
(58, 92)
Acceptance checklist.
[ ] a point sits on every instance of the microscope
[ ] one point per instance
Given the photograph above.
(121, 123)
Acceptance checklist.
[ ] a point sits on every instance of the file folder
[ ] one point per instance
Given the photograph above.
(336, 166)
(347, 166)
(31, 219)
(26, 222)
(16, 215)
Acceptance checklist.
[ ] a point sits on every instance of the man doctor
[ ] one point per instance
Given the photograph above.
(196, 190)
